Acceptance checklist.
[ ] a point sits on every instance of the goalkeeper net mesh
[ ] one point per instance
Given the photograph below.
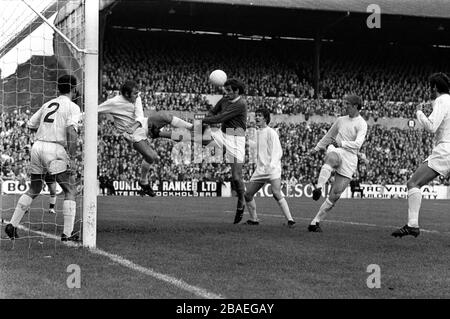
(32, 57)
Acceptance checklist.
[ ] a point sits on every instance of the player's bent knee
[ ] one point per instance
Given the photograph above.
(277, 196)
(167, 117)
(248, 197)
(332, 159)
(239, 186)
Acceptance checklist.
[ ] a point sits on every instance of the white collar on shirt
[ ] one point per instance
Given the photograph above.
(235, 100)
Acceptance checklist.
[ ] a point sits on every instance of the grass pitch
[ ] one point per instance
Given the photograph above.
(194, 240)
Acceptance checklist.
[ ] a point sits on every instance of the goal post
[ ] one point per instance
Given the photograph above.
(91, 85)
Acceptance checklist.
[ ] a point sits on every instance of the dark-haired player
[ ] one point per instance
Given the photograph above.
(231, 112)
(438, 163)
(52, 153)
(342, 143)
(268, 167)
(126, 110)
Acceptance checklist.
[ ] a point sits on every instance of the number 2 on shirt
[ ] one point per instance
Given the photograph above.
(47, 118)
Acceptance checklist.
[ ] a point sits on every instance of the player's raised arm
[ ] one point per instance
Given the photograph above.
(435, 119)
(358, 142)
(328, 138)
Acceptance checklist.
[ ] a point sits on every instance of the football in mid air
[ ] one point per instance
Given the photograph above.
(218, 78)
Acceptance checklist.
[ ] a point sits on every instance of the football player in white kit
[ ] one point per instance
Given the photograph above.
(438, 163)
(268, 168)
(129, 120)
(342, 143)
(53, 152)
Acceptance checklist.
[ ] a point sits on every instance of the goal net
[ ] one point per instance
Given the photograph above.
(39, 42)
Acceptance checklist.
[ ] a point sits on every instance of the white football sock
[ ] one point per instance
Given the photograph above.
(52, 201)
(323, 211)
(324, 176)
(177, 122)
(145, 168)
(22, 206)
(414, 201)
(69, 210)
(252, 210)
(285, 209)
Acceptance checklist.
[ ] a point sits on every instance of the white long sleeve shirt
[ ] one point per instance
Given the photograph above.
(439, 120)
(349, 132)
(125, 113)
(269, 153)
(53, 119)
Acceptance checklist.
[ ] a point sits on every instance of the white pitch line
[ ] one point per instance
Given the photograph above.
(150, 272)
(200, 292)
(347, 223)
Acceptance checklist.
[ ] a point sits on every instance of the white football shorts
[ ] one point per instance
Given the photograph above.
(48, 157)
(349, 161)
(234, 145)
(142, 132)
(439, 160)
(260, 175)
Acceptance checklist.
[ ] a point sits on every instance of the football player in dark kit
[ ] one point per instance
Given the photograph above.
(231, 112)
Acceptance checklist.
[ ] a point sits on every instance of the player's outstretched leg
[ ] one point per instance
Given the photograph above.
(339, 185)
(332, 160)
(422, 176)
(177, 122)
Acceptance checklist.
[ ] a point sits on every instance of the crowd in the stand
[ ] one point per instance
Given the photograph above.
(172, 71)
(278, 105)
(181, 63)
(393, 154)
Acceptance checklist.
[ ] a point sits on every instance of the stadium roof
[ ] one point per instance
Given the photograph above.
(422, 8)
(339, 20)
